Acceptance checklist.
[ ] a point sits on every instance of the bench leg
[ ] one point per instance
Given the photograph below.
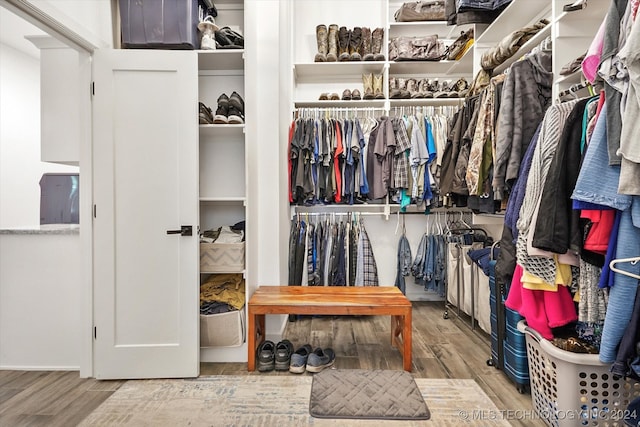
(255, 337)
(401, 338)
(406, 340)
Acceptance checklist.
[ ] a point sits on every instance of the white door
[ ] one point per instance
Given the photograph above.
(145, 162)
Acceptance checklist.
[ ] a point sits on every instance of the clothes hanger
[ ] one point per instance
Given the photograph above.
(633, 261)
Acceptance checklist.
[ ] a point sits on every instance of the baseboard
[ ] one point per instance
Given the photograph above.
(38, 368)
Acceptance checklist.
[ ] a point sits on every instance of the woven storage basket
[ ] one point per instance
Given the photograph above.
(572, 389)
(221, 257)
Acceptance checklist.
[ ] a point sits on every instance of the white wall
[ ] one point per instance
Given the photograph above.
(20, 165)
(90, 19)
(40, 301)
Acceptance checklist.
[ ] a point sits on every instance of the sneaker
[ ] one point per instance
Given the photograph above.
(205, 116)
(222, 112)
(299, 359)
(235, 116)
(266, 356)
(320, 359)
(236, 100)
(283, 355)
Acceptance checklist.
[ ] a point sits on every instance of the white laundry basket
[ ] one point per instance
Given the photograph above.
(571, 389)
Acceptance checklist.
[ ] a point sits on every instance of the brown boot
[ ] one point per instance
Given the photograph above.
(423, 89)
(377, 87)
(332, 41)
(394, 92)
(412, 87)
(367, 80)
(402, 87)
(323, 47)
(343, 44)
(366, 45)
(376, 44)
(355, 44)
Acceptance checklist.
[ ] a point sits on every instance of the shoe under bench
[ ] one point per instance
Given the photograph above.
(331, 300)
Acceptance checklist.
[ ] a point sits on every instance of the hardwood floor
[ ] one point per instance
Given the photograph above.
(442, 348)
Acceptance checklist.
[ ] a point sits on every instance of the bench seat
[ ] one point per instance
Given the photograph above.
(330, 300)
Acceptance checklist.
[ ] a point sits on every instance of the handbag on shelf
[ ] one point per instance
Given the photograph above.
(460, 45)
(422, 48)
(430, 10)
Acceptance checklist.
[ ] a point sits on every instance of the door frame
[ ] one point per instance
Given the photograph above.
(85, 47)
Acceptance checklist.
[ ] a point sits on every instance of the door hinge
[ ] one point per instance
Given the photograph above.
(93, 88)
(95, 210)
(95, 332)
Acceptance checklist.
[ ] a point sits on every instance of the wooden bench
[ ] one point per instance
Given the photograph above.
(331, 300)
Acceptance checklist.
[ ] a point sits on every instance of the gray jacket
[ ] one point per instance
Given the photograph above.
(526, 95)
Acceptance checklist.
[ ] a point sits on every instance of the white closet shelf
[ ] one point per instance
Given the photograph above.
(420, 28)
(434, 68)
(225, 272)
(221, 130)
(463, 65)
(524, 49)
(368, 103)
(570, 78)
(221, 59)
(584, 17)
(518, 14)
(436, 102)
(328, 70)
(234, 199)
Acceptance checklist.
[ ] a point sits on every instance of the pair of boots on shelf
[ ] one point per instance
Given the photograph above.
(342, 44)
(230, 111)
(410, 88)
(372, 86)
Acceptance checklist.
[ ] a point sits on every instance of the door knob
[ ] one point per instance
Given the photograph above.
(185, 230)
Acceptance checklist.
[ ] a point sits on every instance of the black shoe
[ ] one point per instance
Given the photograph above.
(283, 355)
(229, 39)
(222, 112)
(266, 356)
(236, 100)
(205, 115)
(236, 117)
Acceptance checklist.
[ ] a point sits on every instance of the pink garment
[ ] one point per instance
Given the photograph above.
(602, 222)
(542, 310)
(592, 58)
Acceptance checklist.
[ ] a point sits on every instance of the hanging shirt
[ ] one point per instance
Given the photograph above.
(367, 270)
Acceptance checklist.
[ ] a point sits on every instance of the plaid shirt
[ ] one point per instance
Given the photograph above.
(400, 159)
(366, 271)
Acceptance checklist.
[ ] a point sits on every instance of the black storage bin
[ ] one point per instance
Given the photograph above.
(159, 24)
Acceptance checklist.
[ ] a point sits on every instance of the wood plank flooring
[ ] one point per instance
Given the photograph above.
(442, 348)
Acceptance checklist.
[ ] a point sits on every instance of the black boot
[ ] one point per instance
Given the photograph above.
(366, 53)
(343, 43)
(376, 44)
(355, 44)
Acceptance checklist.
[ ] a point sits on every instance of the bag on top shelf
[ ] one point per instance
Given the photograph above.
(422, 48)
(432, 10)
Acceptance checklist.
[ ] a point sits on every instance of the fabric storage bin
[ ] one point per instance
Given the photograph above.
(222, 329)
(573, 389)
(221, 257)
(169, 24)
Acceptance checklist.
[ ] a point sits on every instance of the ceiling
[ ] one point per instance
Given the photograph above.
(13, 29)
